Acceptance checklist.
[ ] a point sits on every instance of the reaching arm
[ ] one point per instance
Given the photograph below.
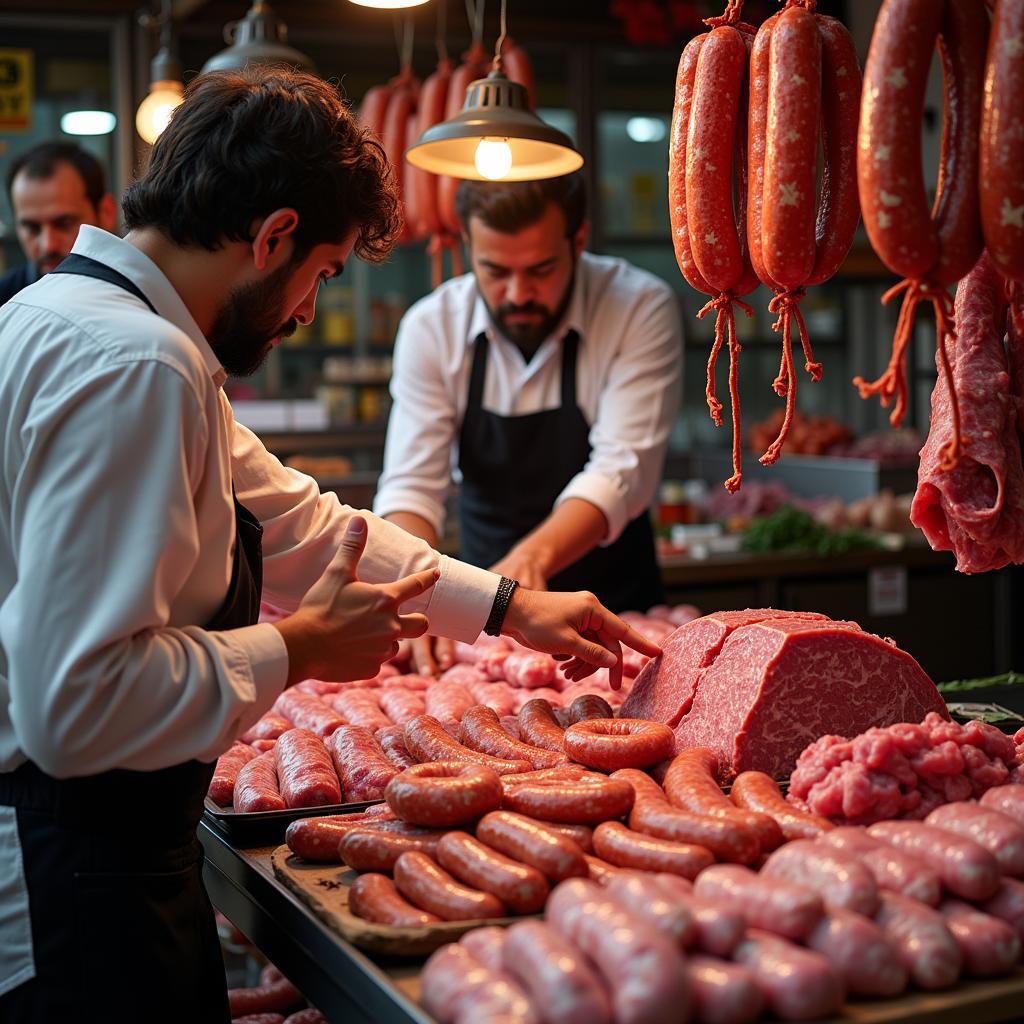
(573, 528)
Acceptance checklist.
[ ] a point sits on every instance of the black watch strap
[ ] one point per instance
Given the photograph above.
(501, 602)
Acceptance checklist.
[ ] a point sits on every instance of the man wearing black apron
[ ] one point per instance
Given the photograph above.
(554, 375)
(112, 860)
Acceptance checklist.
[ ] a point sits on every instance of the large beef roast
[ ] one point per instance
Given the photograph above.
(663, 691)
(757, 686)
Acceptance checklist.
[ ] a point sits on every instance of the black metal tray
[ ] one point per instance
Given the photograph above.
(263, 828)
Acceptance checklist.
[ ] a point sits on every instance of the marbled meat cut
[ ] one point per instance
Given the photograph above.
(976, 510)
(664, 689)
(778, 685)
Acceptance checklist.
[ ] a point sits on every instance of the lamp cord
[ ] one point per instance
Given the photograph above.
(475, 14)
(501, 38)
(404, 39)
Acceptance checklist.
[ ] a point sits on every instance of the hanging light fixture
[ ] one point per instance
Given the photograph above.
(495, 137)
(389, 5)
(166, 89)
(259, 38)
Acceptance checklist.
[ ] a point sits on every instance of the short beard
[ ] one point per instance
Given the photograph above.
(249, 320)
(524, 336)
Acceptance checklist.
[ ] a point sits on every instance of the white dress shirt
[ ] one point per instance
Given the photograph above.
(118, 451)
(628, 381)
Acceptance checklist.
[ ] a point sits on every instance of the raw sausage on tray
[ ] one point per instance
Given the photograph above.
(225, 774)
(860, 953)
(538, 725)
(256, 788)
(521, 888)
(444, 793)
(364, 769)
(482, 731)
(612, 743)
(758, 791)
(580, 803)
(1000, 835)
(374, 897)
(316, 839)
(530, 842)
(422, 881)
(990, 946)
(304, 770)
(427, 740)
(838, 877)
(925, 945)
(628, 849)
(458, 989)
(378, 849)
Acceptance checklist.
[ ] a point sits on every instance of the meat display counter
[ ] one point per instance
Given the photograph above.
(341, 981)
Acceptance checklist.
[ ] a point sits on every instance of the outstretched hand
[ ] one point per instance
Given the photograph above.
(577, 629)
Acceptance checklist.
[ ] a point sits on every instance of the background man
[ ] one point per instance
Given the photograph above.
(54, 189)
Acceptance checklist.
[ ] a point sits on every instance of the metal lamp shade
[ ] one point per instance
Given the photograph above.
(259, 38)
(495, 108)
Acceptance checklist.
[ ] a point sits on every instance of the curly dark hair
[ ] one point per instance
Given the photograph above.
(246, 143)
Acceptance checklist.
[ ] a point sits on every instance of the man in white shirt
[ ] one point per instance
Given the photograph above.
(139, 526)
(547, 382)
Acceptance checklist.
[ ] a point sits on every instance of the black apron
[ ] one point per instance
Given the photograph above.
(513, 470)
(122, 927)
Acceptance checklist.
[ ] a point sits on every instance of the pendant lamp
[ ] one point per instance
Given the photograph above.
(259, 38)
(389, 5)
(495, 137)
(166, 89)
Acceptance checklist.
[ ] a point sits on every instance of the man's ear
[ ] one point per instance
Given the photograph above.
(106, 213)
(271, 234)
(579, 241)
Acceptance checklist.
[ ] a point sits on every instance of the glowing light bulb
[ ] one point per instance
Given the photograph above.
(155, 110)
(493, 158)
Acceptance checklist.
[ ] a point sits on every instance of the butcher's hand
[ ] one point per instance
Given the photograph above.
(345, 629)
(428, 655)
(522, 566)
(576, 628)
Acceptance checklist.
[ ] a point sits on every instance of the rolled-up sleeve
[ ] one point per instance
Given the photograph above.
(421, 428)
(637, 408)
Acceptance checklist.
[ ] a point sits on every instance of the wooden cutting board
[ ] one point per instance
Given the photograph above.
(324, 889)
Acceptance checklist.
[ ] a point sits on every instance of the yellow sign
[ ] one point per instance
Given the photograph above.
(17, 87)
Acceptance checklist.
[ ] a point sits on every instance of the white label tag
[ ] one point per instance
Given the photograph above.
(887, 590)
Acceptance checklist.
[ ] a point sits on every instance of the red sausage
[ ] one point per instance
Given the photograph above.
(652, 814)
(1008, 905)
(529, 842)
(685, 75)
(925, 946)
(458, 989)
(1008, 800)
(587, 706)
(718, 84)
(1001, 153)
(990, 946)
(430, 111)
(374, 897)
(1000, 835)
(377, 849)
(269, 727)
(838, 877)
(581, 835)
(304, 770)
(486, 944)
(400, 705)
(600, 871)
(645, 896)
(612, 743)
(374, 107)
(790, 159)
(274, 993)
(690, 784)
(722, 993)
(757, 123)
(424, 883)
(316, 839)
(893, 869)
(555, 974)
(583, 802)
(392, 742)
(448, 702)
(256, 788)
(521, 888)
(796, 983)
(889, 179)
(628, 849)
(565, 772)
(482, 731)
(364, 769)
(426, 740)
(776, 906)
(538, 725)
(518, 68)
(360, 706)
(965, 868)
(860, 953)
(225, 773)
(644, 971)
(444, 793)
(838, 208)
(758, 791)
(305, 711)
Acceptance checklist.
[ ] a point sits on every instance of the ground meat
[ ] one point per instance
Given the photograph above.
(902, 771)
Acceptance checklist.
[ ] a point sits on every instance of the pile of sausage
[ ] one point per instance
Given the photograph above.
(847, 912)
(902, 771)
(275, 1000)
